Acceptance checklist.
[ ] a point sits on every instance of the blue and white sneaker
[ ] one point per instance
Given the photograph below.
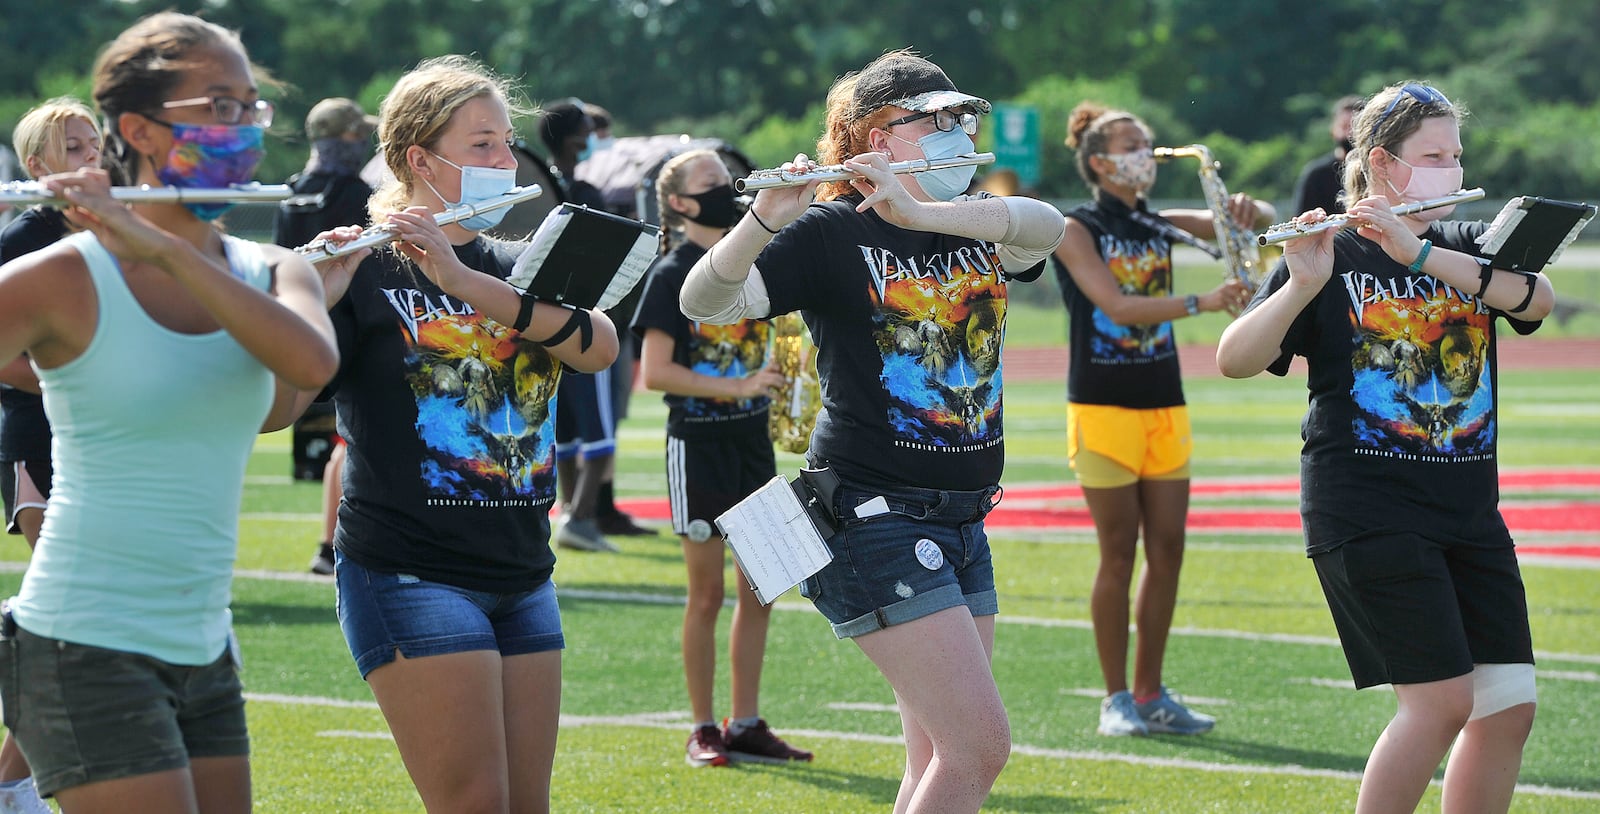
(1166, 716)
(1119, 717)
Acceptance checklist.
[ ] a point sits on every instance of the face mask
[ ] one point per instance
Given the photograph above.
(596, 145)
(479, 184)
(946, 183)
(211, 156)
(1427, 183)
(716, 207)
(1135, 170)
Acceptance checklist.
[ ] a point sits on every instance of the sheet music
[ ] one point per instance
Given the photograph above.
(773, 540)
(585, 257)
(632, 269)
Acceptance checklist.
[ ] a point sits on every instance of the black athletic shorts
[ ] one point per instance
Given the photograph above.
(706, 476)
(38, 472)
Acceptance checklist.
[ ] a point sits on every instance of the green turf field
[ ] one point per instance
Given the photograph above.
(1254, 646)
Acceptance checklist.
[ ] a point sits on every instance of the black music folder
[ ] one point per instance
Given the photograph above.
(1531, 232)
(583, 257)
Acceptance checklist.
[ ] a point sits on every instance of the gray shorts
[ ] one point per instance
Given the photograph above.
(88, 714)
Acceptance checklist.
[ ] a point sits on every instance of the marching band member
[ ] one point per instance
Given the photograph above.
(1399, 488)
(902, 281)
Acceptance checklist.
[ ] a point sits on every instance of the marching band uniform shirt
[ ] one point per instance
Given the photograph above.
(908, 327)
(1403, 399)
(1133, 366)
(24, 430)
(134, 557)
(724, 351)
(450, 422)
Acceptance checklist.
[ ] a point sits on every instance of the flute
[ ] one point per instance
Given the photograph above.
(34, 192)
(318, 250)
(1291, 230)
(770, 179)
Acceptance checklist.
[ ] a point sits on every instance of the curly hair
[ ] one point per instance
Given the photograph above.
(1089, 131)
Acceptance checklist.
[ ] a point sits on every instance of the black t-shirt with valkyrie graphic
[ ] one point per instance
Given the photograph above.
(450, 421)
(1402, 425)
(725, 351)
(908, 327)
(1134, 366)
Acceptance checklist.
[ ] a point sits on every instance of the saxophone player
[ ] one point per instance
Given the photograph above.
(1127, 427)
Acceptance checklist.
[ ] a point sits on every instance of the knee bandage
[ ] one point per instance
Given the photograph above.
(1499, 687)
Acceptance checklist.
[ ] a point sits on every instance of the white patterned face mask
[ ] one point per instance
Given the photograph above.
(1135, 170)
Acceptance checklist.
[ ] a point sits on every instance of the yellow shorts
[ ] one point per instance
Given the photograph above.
(1117, 446)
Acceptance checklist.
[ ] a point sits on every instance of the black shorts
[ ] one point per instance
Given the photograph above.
(38, 472)
(706, 476)
(1411, 610)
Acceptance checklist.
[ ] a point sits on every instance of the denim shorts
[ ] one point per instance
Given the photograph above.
(919, 552)
(382, 612)
(89, 714)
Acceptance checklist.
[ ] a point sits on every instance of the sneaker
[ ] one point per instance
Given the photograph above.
(705, 747)
(1119, 718)
(583, 535)
(1166, 716)
(757, 744)
(322, 563)
(620, 524)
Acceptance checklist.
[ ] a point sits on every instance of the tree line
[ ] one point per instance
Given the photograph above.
(1251, 80)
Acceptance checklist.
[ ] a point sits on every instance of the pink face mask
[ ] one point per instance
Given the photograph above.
(1427, 183)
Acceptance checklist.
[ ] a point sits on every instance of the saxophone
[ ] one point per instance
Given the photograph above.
(794, 408)
(1240, 252)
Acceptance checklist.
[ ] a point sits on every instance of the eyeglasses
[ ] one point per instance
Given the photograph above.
(945, 120)
(1421, 93)
(229, 110)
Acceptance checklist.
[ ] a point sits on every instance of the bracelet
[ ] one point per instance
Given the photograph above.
(1485, 274)
(1191, 304)
(1416, 265)
(770, 230)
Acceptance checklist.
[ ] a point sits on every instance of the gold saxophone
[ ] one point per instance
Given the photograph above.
(795, 405)
(1240, 251)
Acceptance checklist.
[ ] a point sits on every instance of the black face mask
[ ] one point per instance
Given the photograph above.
(716, 207)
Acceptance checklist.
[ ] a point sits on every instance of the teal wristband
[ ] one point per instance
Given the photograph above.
(1416, 265)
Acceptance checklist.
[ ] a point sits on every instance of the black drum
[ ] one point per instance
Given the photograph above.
(525, 217)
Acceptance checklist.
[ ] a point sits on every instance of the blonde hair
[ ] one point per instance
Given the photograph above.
(672, 178)
(43, 130)
(1089, 131)
(1387, 121)
(418, 109)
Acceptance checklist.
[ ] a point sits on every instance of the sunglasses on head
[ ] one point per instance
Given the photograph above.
(1421, 93)
(945, 120)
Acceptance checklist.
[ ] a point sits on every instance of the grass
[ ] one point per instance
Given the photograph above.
(1255, 643)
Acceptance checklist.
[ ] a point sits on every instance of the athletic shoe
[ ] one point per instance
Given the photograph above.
(1166, 716)
(583, 535)
(620, 524)
(757, 744)
(1119, 718)
(705, 747)
(322, 563)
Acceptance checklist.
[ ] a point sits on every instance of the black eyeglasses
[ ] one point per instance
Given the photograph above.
(229, 110)
(945, 120)
(1421, 93)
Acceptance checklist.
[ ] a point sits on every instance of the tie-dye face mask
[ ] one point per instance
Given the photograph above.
(212, 156)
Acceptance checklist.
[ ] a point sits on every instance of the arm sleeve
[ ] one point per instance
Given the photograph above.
(708, 297)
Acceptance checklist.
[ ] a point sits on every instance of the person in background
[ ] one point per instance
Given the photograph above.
(1321, 180)
(716, 379)
(902, 280)
(156, 337)
(329, 192)
(1400, 349)
(59, 136)
(10, 169)
(442, 549)
(1127, 426)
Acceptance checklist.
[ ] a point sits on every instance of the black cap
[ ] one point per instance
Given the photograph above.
(911, 82)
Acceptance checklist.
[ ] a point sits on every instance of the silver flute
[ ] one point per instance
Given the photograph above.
(770, 179)
(1291, 230)
(318, 250)
(34, 192)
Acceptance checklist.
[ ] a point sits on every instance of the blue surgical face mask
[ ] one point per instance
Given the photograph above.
(946, 183)
(595, 145)
(478, 184)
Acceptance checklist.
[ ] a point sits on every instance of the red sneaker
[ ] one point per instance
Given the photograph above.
(705, 747)
(758, 744)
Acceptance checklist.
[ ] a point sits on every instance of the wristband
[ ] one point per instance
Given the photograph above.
(1485, 274)
(1416, 265)
(770, 230)
(1191, 304)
